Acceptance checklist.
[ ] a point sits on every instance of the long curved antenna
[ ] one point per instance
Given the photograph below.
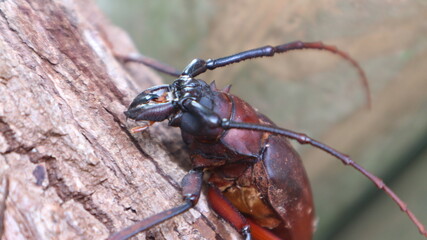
(269, 51)
(346, 160)
(150, 62)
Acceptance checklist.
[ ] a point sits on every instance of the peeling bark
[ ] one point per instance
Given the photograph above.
(69, 168)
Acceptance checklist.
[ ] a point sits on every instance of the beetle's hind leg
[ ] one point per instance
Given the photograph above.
(227, 211)
(224, 208)
(150, 62)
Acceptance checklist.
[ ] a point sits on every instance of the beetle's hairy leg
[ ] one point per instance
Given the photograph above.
(149, 62)
(304, 139)
(191, 189)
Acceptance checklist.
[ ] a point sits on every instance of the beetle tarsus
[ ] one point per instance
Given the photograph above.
(246, 232)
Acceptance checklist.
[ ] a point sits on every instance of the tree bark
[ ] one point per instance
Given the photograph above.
(69, 168)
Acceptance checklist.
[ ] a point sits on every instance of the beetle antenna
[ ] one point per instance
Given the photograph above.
(269, 51)
(150, 62)
(346, 160)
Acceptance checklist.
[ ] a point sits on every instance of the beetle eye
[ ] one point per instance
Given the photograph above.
(142, 98)
(155, 95)
(150, 97)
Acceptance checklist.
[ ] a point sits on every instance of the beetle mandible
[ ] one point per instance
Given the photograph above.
(257, 182)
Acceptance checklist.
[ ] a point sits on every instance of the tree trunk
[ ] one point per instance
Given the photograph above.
(69, 168)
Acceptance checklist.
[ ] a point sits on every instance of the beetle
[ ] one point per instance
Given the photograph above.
(257, 182)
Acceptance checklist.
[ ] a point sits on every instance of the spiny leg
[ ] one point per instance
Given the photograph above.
(191, 188)
(150, 62)
(304, 139)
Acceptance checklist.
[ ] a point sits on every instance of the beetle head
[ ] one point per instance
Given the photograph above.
(154, 105)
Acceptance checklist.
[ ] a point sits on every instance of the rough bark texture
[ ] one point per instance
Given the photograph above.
(69, 168)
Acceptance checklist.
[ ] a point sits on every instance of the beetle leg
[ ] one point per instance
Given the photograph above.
(227, 211)
(191, 188)
(150, 62)
(224, 208)
(206, 115)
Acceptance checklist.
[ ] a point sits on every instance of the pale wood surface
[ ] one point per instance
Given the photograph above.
(69, 168)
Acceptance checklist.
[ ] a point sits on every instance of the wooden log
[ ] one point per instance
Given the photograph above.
(69, 168)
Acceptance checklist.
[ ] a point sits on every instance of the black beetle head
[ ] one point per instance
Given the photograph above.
(154, 105)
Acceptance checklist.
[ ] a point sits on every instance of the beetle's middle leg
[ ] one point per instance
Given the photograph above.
(191, 189)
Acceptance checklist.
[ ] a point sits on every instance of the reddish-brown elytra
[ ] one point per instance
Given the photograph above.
(257, 182)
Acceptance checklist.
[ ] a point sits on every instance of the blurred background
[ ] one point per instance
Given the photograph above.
(317, 92)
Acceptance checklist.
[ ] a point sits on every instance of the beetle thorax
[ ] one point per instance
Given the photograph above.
(187, 87)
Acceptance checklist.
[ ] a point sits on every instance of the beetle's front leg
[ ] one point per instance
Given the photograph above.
(205, 115)
(191, 188)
